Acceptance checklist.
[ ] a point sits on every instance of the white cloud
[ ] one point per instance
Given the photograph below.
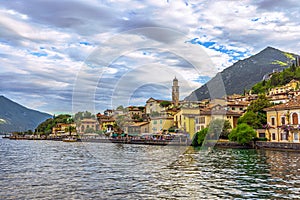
(45, 47)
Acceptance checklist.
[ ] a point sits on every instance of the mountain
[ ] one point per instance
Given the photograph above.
(242, 74)
(15, 117)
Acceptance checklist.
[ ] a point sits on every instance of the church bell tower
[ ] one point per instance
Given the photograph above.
(175, 92)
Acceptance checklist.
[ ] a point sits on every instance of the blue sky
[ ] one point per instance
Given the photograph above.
(65, 56)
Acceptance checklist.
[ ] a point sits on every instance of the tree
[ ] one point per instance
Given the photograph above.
(226, 130)
(251, 119)
(199, 137)
(242, 134)
(70, 129)
(259, 104)
(255, 115)
(46, 126)
(165, 104)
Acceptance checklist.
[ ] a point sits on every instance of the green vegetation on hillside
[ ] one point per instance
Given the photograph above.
(277, 79)
(46, 126)
(256, 116)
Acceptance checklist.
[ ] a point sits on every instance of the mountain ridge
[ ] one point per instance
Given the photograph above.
(243, 74)
(16, 117)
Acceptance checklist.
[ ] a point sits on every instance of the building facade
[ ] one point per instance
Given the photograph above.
(88, 124)
(283, 122)
(136, 129)
(161, 123)
(184, 120)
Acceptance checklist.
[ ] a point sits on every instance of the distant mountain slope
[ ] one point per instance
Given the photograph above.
(15, 117)
(245, 73)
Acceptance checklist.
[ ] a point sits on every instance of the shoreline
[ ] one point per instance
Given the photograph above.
(280, 146)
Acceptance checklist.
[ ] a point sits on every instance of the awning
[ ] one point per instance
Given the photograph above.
(133, 134)
(114, 135)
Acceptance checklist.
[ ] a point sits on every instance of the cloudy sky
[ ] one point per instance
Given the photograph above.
(64, 56)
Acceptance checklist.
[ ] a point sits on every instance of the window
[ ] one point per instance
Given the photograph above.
(241, 108)
(202, 120)
(282, 120)
(273, 136)
(295, 118)
(272, 121)
(233, 108)
(284, 136)
(160, 121)
(196, 120)
(262, 135)
(154, 122)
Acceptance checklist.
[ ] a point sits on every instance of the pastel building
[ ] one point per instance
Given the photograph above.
(88, 124)
(137, 128)
(63, 129)
(184, 120)
(153, 106)
(217, 112)
(283, 122)
(161, 123)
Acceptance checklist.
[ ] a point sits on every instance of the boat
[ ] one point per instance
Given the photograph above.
(6, 136)
(70, 139)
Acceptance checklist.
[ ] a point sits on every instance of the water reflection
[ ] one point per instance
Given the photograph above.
(57, 170)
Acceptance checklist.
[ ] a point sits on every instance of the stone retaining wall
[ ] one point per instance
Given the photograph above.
(278, 145)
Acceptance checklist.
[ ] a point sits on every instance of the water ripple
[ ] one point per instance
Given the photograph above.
(57, 170)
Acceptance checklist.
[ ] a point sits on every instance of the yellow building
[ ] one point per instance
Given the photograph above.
(185, 120)
(292, 85)
(283, 122)
(106, 123)
(63, 129)
(161, 123)
(217, 112)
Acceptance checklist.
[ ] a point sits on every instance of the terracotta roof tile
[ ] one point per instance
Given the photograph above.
(294, 103)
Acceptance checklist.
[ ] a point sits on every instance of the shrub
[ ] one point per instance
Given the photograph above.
(199, 137)
(242, 134)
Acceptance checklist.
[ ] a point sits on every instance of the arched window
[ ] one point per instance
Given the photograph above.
(295, 118)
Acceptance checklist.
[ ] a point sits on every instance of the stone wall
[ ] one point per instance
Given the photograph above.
(278, 145)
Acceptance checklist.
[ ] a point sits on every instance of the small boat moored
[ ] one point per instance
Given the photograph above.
(70, 139)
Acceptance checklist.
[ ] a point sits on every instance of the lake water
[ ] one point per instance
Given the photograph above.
(58, 170)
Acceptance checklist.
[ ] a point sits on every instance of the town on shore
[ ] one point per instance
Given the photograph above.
(271, 117)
